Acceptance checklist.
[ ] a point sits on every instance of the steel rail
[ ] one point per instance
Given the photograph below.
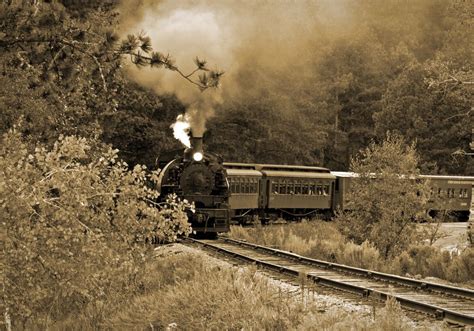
(437, 311)
(445, 289)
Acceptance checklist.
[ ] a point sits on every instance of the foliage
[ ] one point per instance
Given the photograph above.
(426, 261)
(322, 240)
(385, 198)
(316, 239)
(78, 224)
(291, 139)
(435, 117)
(140, 128)
(190, 291)
(62, 59)
(62, 69)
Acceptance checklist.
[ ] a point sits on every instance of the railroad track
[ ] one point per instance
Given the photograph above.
(453, 304)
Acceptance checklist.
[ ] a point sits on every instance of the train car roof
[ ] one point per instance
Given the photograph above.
(347, 174)
(244, 172)
(235, 165)
(275, 167)
(298, 174)
(448, 177)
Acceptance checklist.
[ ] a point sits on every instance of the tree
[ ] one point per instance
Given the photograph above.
(69, 58)
(429, 116)
(385, 197)
(77, 226)
(265, 134)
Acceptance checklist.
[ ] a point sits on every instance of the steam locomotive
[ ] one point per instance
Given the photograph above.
(247, 192)
(202, 179)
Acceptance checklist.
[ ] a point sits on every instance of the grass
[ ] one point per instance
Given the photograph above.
(183, 290)
(322, 240)
(191, 291)
(200, 295)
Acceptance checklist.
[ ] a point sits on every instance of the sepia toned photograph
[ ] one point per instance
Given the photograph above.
(237, 165)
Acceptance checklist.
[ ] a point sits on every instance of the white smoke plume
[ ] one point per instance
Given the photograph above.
(181, 130)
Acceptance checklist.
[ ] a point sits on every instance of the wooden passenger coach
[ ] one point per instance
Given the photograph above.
(243, 184)
(292, 188)
(271, 190)
(451, 193)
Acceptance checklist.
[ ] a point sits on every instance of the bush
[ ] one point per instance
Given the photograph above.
(317, 239)
(322, 240)
(77, 222)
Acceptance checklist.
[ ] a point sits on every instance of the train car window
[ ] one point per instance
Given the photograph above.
(450, 192)
(247, 186)
(253, 189)
(297, 188)
(290, 188)
(275, 187)
(319, 190)
(313, 189)
(326, 190)
(465, 194)
(304, 189)
(235, 183)
(283, 187)
(440, 191)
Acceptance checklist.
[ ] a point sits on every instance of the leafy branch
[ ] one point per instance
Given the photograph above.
(137, 47)
(141, 54)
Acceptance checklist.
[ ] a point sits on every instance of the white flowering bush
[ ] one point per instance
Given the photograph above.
(77, 227)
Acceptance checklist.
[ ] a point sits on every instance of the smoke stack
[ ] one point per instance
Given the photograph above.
(195, 152)
(196, 144)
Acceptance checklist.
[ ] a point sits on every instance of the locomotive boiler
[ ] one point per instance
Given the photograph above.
(200, 178)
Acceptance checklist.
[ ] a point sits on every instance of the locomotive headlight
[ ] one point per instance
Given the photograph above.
(197, 156)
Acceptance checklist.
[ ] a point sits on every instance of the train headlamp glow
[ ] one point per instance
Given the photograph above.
(197, 156)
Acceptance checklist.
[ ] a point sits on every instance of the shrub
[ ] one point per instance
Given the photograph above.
(77, 222)
(362, 256)
(321, 240)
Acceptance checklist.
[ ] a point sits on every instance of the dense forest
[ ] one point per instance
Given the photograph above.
(301, 91)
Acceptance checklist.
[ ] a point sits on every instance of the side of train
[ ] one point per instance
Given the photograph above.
(246, 192)
(270, 191)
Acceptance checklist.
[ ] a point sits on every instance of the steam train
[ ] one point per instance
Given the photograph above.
(247, 192)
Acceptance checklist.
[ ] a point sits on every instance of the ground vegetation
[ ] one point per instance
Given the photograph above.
(324, 240)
